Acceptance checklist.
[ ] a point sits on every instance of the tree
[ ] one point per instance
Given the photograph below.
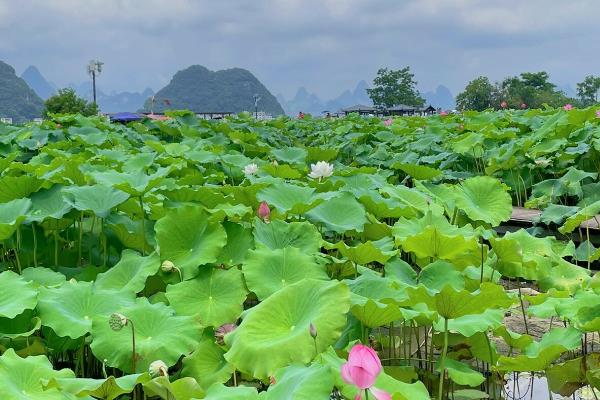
(588, 90)
(66, 101)
(478, 95)
(532, 89)
(392, 88)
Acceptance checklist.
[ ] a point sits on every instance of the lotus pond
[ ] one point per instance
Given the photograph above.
(299, 259)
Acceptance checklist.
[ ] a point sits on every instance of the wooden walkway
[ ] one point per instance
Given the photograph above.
(527, 216)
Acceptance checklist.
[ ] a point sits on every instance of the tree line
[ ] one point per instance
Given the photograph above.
(528, 90)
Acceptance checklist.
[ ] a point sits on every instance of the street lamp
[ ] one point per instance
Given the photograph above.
(94, 67)
(256, 100)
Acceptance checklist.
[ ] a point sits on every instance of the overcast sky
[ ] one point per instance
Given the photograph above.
(325, 45)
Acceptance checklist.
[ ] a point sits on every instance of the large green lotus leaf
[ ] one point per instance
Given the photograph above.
(48, 203)
(41, 276)
(206, 364)
(186, 238)
(513, 339)
(233, 212)
(370, 285)
(221, 392)
(579, 217)
(267, 271)
(129, 232)
(298, 382)
(275, 333)
(420, 172)
(470, 324)
(88, 134)
(411, 198)
(556, 213)
(539, 355)
(439, 274)
(588, 319)
(397, 389)
(239, 241)
(340, 214)
(18, 187)
(159, 334)
(374, 313)
(401, 271)
(133, 182)
(23, 378)
(22, 325)
(292, 155)
(12, 214)
(364, 253)
(70, 308)
(98, 199)
(286, 197)
(107, 389)
(281, 171)
(564, 276)
(16, 294)
(130, 273)
(567, 377)
(484, 198)
(182, 389)
(430, 243)
(216, 296)
(462, 374)
(451, 303)
(281, 234)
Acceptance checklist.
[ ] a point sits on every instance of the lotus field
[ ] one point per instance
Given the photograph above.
(299, 259)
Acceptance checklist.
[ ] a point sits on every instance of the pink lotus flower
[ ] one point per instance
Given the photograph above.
(264, 212)
(444, 113)
(568, 107)
(362, 369)
(504, 104)
(387, 122)
(222, 331)
(597, 113)
(523, 105)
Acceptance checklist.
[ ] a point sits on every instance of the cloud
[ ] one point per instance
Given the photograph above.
(325, 45)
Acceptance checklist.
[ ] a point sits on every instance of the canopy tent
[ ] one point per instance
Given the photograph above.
(125, 117)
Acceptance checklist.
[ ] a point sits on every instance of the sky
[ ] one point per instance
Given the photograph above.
(326, 46)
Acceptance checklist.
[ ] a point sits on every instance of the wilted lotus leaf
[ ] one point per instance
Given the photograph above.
(280, 234)
(107, 389)
(485, 199)
(301, 382)
(98, 199)
(215, 295)
(12, 214)
(276, 331)
(340, 214)
(16, 295)
(206, 364)
(186, 238)
(70, 308)
(538, 355)
(130, 273)
(159, 334)
(24, 378)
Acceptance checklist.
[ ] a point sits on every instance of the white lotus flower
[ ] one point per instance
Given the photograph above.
(158, 368)
(321, 169)
(250, 169)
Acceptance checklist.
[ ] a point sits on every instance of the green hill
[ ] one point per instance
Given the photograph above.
(17, 100)
(200, 90)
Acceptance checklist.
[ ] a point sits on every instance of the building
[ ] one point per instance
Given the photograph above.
(360, 109)
(6, 120)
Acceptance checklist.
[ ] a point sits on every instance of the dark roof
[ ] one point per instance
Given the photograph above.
(402, 107)
(358, 108)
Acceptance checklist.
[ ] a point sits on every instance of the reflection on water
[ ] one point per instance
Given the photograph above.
(528, 387)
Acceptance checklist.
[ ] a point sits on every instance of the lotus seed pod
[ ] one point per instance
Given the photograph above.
(117, 321)
(222, 331)
(312, 330)
(167, 266)
(158, 368)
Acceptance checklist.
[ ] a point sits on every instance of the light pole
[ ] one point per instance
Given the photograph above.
(94, 67)
(256, 100)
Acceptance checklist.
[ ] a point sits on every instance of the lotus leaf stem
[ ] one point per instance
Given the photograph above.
(523, 309)
(143, 223)
(34, 244)
(443, 361)
(80, 239)
(132, 344)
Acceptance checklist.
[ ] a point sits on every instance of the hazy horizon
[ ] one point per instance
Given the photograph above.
(326, 46)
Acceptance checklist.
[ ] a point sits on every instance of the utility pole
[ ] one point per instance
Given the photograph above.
(94, 67)
(256, 100)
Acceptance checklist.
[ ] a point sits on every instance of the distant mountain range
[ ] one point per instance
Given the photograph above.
(38, 83)
(201, 90)
(17, 100)
(312, 104)
(114, 101)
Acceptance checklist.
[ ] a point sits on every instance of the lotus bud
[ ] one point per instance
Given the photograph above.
(272, 380)
(275, 163)
(222, 331)
(167, 266)
(312, 330)
(158, 368)
(264, 212)
(117, 321)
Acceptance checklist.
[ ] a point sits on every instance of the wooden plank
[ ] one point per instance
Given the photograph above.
(520, 214)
